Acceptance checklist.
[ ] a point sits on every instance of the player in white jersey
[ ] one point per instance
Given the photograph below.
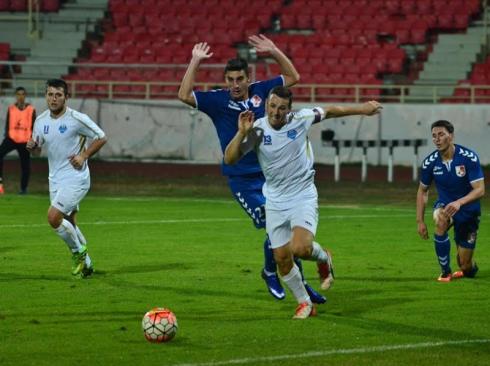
(285, 155)
(63, 132)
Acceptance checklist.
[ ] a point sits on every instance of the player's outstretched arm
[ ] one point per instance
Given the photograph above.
(199, 53)
(422, 198)
(366, 109)
(234, 151)
(263, 44)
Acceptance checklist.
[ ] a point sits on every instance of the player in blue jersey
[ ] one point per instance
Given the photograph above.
(459, 181)
(224, 106)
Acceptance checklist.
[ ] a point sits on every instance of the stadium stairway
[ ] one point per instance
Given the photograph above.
(450, 61)
(62, 36)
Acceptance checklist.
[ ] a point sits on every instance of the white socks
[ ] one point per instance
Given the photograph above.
(294, 282)
(68, 234)
(318, 254)
(81, 238)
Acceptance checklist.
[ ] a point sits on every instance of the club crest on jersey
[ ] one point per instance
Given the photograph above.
(292, 134)
(62, 128)
(460, 170)
(46, 129)
(267, 140)
(256, 100)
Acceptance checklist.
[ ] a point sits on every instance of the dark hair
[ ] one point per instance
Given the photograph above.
(237, 64)
(282, 92)
(443, 123)
(20, 88)
(57, 83)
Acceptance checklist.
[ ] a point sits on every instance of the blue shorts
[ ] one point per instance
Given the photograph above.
(466, 226)
(247, 190)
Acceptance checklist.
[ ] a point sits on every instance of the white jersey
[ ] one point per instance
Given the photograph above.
(63, 138)
(286, 156)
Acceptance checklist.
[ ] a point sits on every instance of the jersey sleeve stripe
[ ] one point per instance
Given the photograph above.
(476, 180)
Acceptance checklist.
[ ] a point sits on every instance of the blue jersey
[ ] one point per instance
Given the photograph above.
(453, 178)
(224, 112)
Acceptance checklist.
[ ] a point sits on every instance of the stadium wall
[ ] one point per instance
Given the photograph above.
(169, 130)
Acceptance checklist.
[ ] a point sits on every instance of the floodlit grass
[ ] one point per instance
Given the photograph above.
(202, 258)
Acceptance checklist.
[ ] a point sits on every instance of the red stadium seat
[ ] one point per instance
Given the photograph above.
(4, 5)
(18, 5)
(50, 5)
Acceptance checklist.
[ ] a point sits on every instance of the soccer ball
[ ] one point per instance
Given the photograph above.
(159, 325)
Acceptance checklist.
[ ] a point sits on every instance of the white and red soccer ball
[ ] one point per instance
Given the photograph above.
(159, 325)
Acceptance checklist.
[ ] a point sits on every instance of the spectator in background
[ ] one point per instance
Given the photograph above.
(18, 130)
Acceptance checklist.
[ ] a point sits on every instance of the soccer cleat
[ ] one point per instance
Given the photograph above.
(458, 274)
(87, 271)
(1, 189)
(325, 270)
(274, 285)
(78, 261)
(315, 297)
(445, 277)
(304, 310)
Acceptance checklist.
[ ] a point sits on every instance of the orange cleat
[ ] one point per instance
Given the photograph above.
(304, 310)
(1, 189)
(458, 274)
(445, 277)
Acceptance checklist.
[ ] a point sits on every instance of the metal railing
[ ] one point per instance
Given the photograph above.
(115, 89)
(111, 89)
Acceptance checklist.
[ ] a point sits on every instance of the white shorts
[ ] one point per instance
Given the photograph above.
(280, 223)
(66, 199)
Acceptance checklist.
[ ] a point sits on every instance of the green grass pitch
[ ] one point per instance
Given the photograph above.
(202, 258)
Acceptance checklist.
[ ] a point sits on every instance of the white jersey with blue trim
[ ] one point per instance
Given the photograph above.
(62, 138)
(286, 156)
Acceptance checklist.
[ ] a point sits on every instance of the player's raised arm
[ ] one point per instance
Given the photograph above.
(263, 44)
(422, 198)
(199, 53)
(366, 109)
(234, 151)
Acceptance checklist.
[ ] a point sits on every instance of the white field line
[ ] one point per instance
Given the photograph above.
(222, 201)
(180, 221)
(342, 351)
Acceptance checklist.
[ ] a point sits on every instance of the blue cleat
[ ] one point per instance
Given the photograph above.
(315, 297)
(274, 285)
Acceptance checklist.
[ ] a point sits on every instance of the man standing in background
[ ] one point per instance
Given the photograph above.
(18, 130)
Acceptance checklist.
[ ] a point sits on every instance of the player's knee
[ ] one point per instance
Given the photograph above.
(441, 221)
(54, 218)
(301, 248)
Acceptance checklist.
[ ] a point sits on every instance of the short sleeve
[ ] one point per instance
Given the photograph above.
(307, 117)
(206, 101)
(267, 85)
(88, 127)
(426, 175)
(475, 171)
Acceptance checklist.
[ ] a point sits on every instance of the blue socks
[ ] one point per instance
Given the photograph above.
(270, 264)
(443, 246)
